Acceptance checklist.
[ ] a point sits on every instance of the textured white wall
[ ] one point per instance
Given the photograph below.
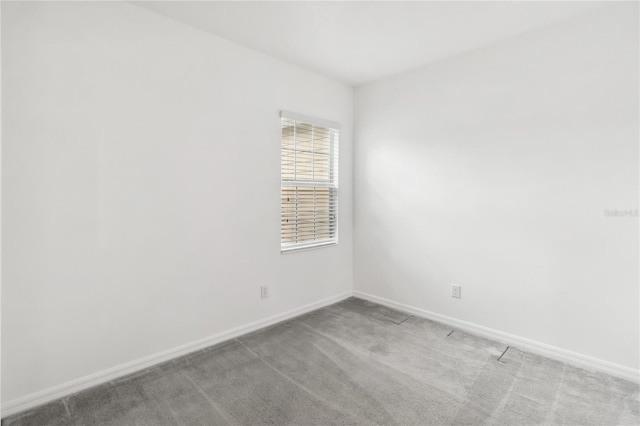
(493, 169)
(140, 188)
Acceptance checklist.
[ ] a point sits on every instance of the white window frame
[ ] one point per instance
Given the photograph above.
(334, 145)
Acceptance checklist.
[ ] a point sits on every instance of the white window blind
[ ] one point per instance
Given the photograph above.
(309, 182)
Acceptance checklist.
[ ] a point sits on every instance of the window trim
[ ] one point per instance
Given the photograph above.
(310, 120)
(334, 165)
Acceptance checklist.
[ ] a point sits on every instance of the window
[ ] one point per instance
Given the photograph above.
(309, 183)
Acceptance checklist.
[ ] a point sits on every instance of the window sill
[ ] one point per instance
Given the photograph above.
(297, 249)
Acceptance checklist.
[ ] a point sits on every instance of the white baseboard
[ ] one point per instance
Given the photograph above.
(554, 352)
(69, 388)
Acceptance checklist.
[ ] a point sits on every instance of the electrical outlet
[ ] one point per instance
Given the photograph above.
(264, 292)
(456, 291)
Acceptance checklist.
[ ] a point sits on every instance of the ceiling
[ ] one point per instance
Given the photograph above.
(362, 41)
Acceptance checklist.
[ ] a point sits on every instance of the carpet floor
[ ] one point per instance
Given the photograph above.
(352, 363)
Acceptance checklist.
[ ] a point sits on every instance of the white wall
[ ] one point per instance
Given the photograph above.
(492, 170)
(140, 189)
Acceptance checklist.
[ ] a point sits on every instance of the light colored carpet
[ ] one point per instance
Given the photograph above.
(352, 363)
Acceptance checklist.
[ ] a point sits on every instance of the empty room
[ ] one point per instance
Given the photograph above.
(320, 213)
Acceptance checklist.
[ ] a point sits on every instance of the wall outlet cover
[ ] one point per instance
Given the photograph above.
(456, 291)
